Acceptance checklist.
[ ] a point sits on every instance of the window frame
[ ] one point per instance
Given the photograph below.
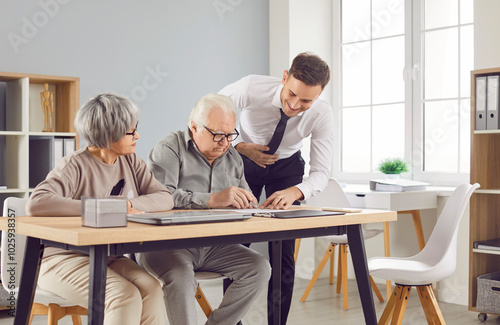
(414, 102)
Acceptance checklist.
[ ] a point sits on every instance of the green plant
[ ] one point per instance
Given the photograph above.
(393, 166)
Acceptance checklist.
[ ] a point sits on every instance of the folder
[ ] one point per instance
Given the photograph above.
(492, 102)
(480, 103)
(58, 150)
(69, 146)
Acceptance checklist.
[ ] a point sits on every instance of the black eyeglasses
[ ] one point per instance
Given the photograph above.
(218, 137)
(133, 132)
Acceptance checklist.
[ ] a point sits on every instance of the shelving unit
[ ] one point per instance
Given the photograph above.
(22, 118)
(485, 202)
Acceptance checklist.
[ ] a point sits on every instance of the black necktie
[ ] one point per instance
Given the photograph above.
(278, 134)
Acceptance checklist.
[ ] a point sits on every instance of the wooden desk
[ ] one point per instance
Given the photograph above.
(67, 232)
(360, 196)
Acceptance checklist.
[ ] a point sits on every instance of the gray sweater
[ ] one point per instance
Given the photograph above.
(178, 164)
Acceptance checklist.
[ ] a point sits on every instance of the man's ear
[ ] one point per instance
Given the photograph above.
(285, 76)
(193, 126)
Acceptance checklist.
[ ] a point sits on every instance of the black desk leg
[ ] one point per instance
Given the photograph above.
(29, 278)
(356, 243)
(276, 284)
(97, 283)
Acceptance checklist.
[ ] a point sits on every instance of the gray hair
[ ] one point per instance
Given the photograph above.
(105, 119)
(204, 105)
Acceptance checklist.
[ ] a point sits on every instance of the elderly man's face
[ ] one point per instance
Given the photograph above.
(218, 122)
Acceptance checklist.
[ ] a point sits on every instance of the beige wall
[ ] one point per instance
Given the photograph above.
(486, 35)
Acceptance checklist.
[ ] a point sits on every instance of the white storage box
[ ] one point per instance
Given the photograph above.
(104, 212)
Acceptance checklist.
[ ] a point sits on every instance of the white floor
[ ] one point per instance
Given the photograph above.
(323, 306)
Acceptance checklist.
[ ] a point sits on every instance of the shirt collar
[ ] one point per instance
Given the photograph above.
(277, 98)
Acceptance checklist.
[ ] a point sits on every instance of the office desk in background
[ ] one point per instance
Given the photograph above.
(405, 203)
(67, 232)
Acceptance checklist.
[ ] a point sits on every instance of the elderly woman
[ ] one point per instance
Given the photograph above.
(109, 124)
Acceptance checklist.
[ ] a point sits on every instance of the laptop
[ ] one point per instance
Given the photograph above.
(298, 214)
(187, 217)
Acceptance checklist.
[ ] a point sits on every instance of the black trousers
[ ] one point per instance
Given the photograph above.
(279, 176)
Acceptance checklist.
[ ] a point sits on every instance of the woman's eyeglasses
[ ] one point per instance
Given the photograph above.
(133, 132)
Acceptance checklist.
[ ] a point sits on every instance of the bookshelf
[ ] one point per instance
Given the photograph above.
(22, 121)
(485, 202)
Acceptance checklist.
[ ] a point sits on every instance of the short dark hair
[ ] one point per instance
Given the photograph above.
(310, 69)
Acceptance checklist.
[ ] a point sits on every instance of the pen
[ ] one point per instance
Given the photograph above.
(253, 204)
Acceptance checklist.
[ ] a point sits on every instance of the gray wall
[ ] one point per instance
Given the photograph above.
(163, 54)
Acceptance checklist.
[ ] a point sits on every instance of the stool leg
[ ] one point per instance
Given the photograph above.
(345, 297)
(376, 290)
(332, 261)
(430, 305)
(315, 277)
(399, 309)
(296, 253)
(203, 302)
(389, 308)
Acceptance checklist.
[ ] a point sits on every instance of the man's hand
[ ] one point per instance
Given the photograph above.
(283, 199)
(255, 152)
(233, 196)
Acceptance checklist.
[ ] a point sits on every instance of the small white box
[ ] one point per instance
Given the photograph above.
(104, 212)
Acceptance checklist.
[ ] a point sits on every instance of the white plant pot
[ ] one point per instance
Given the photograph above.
(392, 176)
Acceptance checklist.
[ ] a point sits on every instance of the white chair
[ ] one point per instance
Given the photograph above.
(333, 196)
(45, 303)
(437, 261)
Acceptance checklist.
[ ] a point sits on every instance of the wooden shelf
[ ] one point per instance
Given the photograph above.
(486, 251)
(486, 131)
(24, 119)
(485, 202)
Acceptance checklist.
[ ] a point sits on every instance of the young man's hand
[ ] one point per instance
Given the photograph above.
(255, 152)
(283, 199)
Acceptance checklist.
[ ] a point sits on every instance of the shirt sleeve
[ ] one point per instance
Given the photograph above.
(237, 91)
(320, 156)
(165, 163)
(153, 196)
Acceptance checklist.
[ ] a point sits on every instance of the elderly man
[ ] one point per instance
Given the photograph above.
(202, 170)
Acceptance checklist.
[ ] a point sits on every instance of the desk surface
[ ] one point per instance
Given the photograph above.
(69, 230)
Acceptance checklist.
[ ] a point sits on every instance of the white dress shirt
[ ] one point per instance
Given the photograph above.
(258, 98)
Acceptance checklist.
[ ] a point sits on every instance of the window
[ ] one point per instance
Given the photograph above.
(403, 87)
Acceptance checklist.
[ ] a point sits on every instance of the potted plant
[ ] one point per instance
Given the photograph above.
(392, 167)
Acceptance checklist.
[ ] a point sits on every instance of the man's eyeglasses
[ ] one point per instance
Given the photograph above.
(218, 137)
(133, 132)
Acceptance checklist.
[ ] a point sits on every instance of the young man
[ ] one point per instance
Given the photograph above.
(276, 115)
(202, 170)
